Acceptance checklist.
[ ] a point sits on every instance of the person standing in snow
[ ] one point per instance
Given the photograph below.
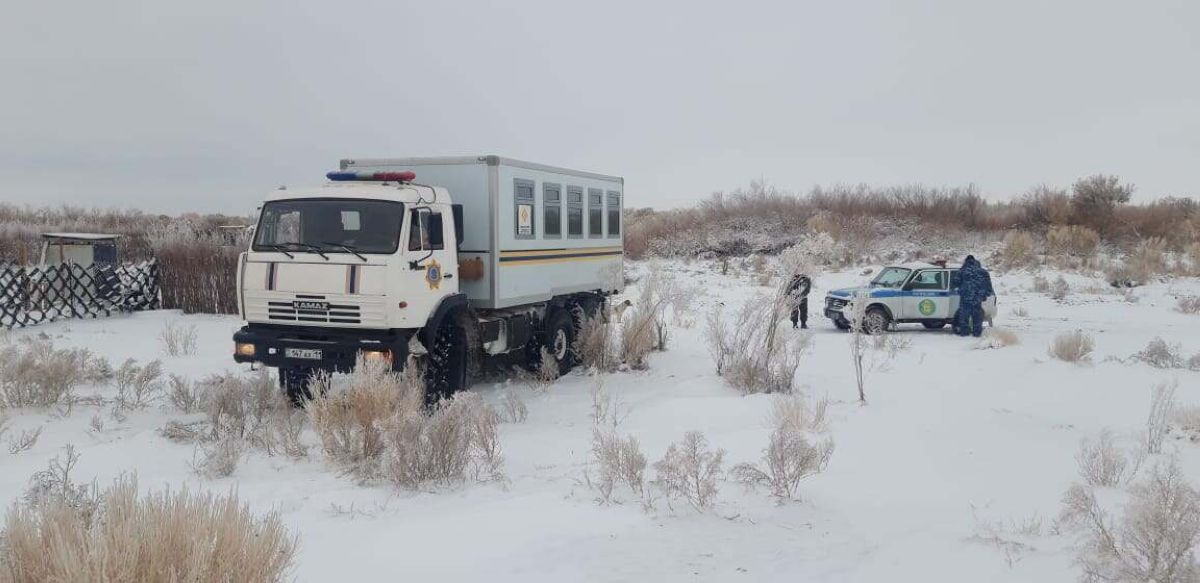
(974, 286)
(797, 296)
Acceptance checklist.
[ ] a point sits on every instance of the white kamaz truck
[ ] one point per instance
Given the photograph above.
(449, 259)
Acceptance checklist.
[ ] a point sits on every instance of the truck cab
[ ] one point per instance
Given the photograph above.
(911, 293)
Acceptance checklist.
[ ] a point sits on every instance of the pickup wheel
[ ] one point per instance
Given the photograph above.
(876, 321)
(296, 384)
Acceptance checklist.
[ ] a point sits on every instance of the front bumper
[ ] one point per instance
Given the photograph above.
(339, 347)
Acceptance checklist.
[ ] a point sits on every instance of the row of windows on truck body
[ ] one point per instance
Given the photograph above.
(598, 203)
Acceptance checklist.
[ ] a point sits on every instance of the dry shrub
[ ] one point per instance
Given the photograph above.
(794, 413)
(639, 336)
(352, 424)
(1019, 250)
(1041, 285)
(998, 338)
(183, 394)
(1073, 346)
(1162, 405)
(618, 460)
(689, 470)
(1060, 289)
(1072, 240)
(753, 353)
(439, 448)
(218, 459)
(1147, 260)
(1187, 420)
(1159, 354)
(138, 386)
(544, 375)
(1101, 462)
(787, 460)
(515, 410)
(198, 269)
(595, 345)
(1188, 304)
(121, 536)
(33, 373)
(790, 456)
(1154, 540)
(23, 442)
(177, 339)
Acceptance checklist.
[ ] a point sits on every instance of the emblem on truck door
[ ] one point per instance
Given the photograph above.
(433, 274)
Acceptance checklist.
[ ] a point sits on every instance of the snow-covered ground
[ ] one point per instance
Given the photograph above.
(955, 440)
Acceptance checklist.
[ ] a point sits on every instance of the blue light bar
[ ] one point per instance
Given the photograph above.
(342, 176)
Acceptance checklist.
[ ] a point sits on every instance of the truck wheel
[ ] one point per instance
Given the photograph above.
(936, 325)
(559, 341)
(447, 372)
(296, 384)
(875, 321)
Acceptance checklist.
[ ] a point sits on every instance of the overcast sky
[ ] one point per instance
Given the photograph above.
(173, 106)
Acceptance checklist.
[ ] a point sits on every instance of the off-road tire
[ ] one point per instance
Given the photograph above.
(448, 359)
(558, 338)
(876, 321)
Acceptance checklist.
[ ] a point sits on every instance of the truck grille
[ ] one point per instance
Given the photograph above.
(336, 314)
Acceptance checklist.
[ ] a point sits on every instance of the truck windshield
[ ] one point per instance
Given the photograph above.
(891, 277)
(330, 225)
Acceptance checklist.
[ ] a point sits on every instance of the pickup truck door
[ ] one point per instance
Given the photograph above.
(927, 296)
(431, 256)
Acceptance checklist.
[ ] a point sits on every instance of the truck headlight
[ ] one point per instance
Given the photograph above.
(244, 349)
(378, 355)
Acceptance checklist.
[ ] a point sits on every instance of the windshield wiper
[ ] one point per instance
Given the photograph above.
(348, 248)
(314, 248)
(279, 248)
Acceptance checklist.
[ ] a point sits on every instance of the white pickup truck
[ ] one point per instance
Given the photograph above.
(446, 258)
(911, 293)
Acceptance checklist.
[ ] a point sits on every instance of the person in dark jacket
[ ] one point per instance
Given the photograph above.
(797, 294)
(974, 286)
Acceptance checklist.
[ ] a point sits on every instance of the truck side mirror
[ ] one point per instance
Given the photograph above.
(457, 210)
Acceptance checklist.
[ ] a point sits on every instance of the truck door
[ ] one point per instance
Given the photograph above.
(927, 296)
(431, 252)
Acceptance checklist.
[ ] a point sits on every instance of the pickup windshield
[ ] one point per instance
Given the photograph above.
(891, 277)
(330, 225)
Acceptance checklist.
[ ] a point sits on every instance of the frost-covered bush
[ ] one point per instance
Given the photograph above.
(1072, 240)
(791, 455)
(1060, 289)
(1148, 259)
(1101, 462)
(1154, 540)
(177, 339)
(1019, 250)
(458, 436)
(352, 423)
(690, 470)
(1188, 304)
(119, 535)
(138, 386)
(617, 460)
(1162, 406)
(1073, 346)
(752, 352)
(33, 373)
(515, 410)
(595, 345)
(995, 337)
(1160, 354)
(218, 459)
(1041, 285)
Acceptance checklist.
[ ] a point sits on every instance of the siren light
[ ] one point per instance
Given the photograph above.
(406, 176)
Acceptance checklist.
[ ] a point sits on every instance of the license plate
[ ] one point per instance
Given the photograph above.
(303, 353)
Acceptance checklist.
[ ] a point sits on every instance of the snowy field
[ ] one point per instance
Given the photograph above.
(954, 471)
